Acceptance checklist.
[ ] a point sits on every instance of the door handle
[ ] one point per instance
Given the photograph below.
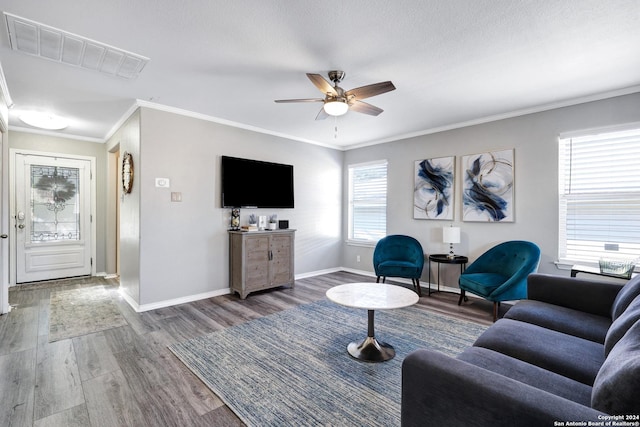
(3, 236)
(20, 226)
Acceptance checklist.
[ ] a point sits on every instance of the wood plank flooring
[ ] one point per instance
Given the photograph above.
(126, 376)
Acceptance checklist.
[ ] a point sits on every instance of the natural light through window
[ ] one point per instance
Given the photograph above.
(599, 204)
(368, 201)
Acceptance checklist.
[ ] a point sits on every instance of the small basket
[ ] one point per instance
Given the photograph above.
(617, 267)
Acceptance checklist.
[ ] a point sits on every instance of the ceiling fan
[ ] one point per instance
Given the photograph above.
(337, 101)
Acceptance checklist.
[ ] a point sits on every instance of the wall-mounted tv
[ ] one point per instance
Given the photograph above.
(256, 184)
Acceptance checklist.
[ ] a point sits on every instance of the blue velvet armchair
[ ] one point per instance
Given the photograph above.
(399, 256)
(500, 274)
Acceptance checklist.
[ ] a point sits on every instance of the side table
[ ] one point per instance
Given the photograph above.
(444, 259)
(595, 270)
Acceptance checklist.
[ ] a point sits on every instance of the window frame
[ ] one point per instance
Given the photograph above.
(377, 233)
(590, 203)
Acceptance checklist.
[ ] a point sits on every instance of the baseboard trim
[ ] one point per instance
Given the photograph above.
(190, 298)
(317, 273)
(168, 303)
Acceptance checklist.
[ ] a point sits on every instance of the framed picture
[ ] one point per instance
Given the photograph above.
(487, 189)
(433, 188)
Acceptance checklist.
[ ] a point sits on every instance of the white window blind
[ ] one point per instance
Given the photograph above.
(599, 177)
(368, 201)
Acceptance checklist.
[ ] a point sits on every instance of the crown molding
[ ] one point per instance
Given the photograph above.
(5, 89)
(494, 118)
(205, 117)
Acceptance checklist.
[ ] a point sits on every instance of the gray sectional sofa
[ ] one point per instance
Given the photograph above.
(568, 355)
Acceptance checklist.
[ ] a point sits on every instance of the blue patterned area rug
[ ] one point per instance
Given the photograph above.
(292, 368)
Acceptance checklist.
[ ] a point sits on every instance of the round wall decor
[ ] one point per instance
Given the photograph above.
(127, 172)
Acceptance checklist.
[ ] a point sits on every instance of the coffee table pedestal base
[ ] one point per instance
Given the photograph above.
(370, 350)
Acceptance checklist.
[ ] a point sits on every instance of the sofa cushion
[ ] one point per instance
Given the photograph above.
(621, 325)
(616, 388)
(564, 354)
(627, 294)
(562, 319)
(528, 374)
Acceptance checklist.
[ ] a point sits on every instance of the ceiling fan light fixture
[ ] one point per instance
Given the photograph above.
(43, 120)
(336, 108)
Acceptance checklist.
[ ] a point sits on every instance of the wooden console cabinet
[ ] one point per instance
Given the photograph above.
(260, 260)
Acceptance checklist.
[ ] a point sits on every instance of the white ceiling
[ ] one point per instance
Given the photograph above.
(453, 62)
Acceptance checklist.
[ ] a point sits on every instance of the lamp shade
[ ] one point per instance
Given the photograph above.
(451, 234)
(336, 108)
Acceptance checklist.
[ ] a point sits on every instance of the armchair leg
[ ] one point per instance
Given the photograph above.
(462, 297)
(416, 284)
(378, 279)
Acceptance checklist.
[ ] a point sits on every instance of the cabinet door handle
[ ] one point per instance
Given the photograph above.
(270, 255)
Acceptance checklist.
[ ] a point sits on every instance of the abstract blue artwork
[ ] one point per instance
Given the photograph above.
(488, 187)
(433, 189)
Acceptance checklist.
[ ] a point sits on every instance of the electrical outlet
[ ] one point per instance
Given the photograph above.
(357, 258)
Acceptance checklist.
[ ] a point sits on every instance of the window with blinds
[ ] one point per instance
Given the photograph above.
(368, 201)
(599, 177)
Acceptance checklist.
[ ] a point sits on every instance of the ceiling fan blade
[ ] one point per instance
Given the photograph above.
(322, 84)
(363, 107)
(301, 100)
(370, 90)
(322, 114)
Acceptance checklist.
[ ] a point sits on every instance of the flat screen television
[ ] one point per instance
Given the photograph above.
(256, 184)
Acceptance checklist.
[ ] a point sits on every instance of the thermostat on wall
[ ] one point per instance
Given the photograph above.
(162, 182)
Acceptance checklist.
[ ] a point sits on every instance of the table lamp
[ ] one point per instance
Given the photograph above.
(451, 235)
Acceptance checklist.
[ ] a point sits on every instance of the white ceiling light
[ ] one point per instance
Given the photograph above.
(43, 120)
(336, 108)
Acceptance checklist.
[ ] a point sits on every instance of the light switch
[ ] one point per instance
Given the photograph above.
(163, 182)
(176, 196)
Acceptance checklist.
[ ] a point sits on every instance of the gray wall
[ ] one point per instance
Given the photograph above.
(127, 139)
(535, 140)
(184, 245)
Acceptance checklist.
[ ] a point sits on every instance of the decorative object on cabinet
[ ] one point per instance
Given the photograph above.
(283, 224)
(262, 222)
(487, 194)
(433, 188)
(127, 172)
(260, 260)
(273, 222)
(253, 224)
(235, 219)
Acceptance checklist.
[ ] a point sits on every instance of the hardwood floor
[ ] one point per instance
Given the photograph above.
(126, 376)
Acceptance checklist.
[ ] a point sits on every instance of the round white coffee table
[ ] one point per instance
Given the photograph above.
(372, 296)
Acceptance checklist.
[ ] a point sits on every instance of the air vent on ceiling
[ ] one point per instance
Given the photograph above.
(34, 38)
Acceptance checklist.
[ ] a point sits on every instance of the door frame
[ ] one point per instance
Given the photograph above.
(13, 152)
(4, 217)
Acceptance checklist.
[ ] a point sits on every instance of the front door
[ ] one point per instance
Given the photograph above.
(53, 217)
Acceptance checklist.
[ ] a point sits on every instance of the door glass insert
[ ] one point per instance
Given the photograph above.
(55, 205)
